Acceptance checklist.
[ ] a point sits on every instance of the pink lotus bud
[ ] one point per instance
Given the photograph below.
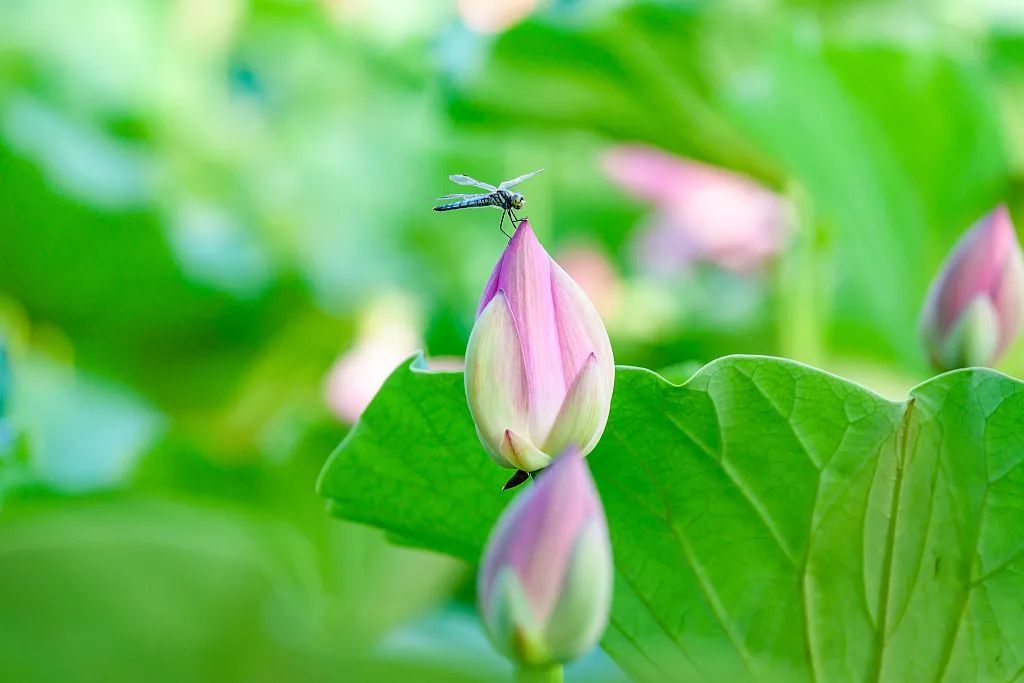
(539, 368)
(545, 585)
(973, 310)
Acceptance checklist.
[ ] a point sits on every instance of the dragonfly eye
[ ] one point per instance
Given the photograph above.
(518, 200)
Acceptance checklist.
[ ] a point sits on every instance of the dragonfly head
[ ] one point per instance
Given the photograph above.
(518, 200)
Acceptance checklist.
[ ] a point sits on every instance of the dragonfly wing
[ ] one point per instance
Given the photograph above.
(466, 180)
(509, 184)
(458, 196)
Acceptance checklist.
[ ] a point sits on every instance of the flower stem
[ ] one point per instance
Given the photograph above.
(804, 286)
(551, 674)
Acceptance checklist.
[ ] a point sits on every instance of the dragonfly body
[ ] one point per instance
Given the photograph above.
(501, 197)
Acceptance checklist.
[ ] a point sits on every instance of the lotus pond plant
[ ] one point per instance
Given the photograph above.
(731, 497)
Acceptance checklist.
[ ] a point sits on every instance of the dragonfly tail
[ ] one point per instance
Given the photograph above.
(474, 202)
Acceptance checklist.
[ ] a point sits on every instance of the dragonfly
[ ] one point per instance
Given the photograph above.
(501, 196)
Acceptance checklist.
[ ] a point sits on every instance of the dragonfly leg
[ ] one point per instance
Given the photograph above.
(501, 225)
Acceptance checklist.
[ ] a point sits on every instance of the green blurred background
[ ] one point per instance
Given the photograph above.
(216, 240)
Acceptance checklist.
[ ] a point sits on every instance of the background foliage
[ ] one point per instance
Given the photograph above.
(204, 204)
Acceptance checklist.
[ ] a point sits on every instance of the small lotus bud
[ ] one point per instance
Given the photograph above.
(539, 368)
(973, 310)
(545, 585)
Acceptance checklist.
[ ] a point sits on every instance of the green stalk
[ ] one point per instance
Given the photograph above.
(804, 287)
(551, 674)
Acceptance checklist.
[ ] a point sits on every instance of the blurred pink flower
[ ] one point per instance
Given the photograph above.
(494, 16)
(389, 332)
(446, 363)
(701, 213)
(595, 274)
